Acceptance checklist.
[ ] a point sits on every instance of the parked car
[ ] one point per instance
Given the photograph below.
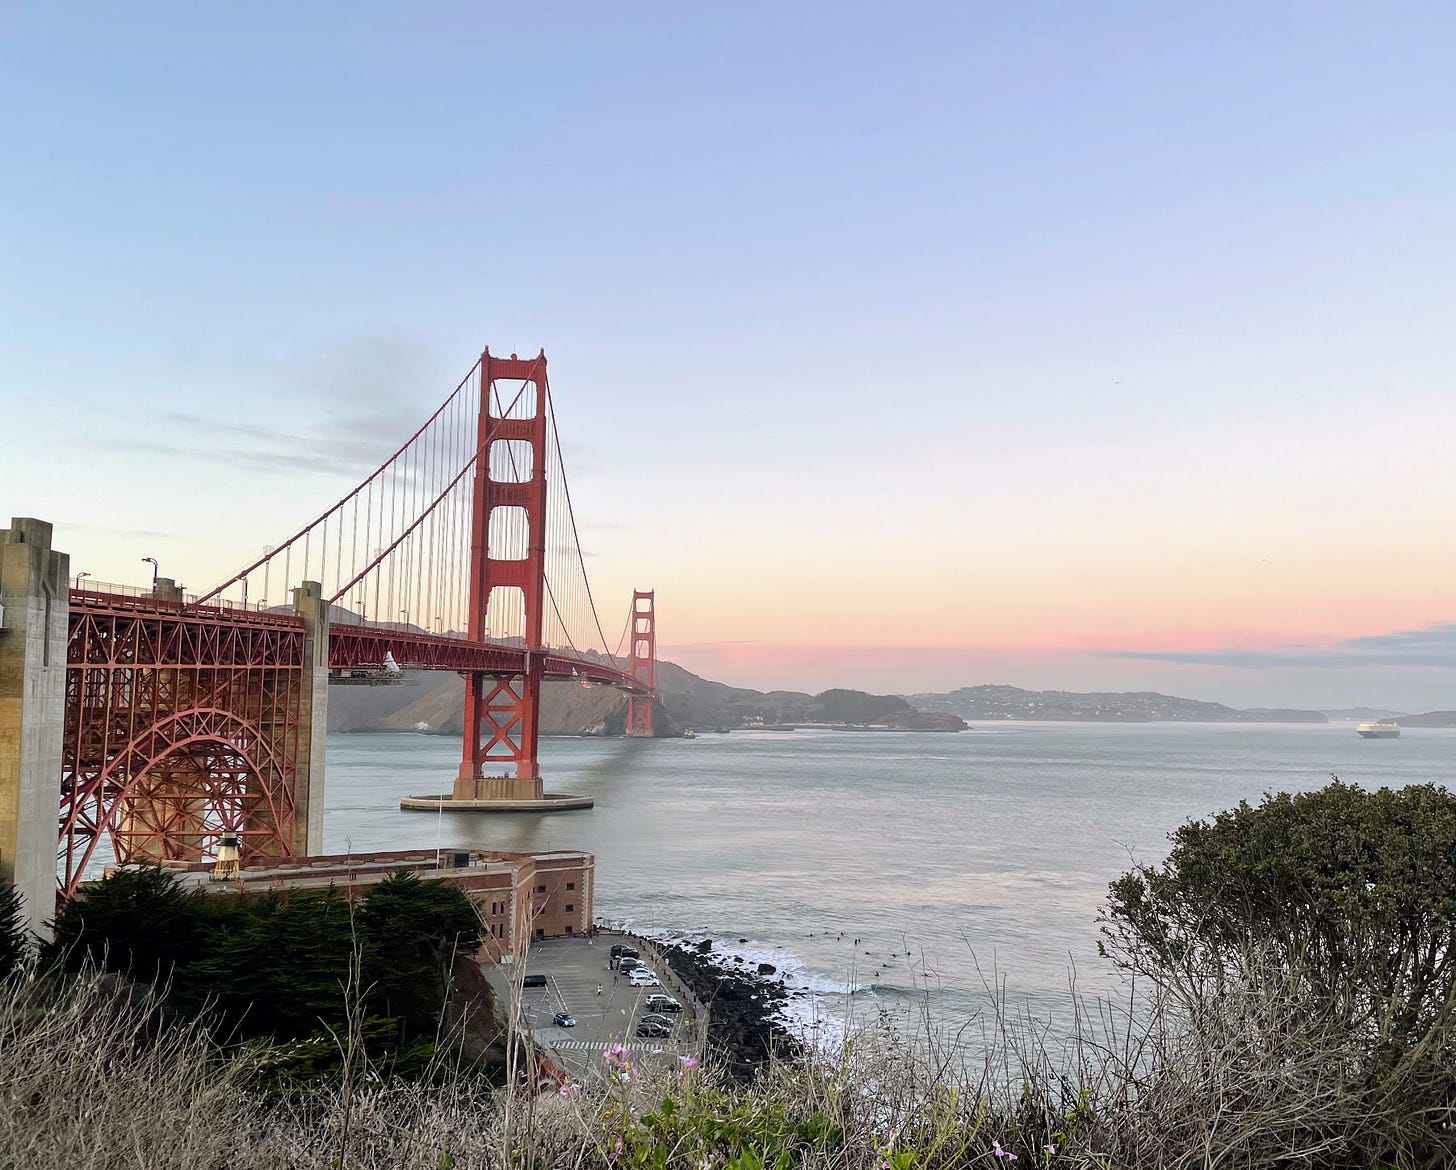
(534, 981)
(653, 1018)
(619, 951)
(661, 1003)
(562, 1020)
(651, 1028)
(644, 978)
(628, 963)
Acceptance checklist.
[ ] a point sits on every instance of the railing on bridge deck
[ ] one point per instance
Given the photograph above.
(437, 650)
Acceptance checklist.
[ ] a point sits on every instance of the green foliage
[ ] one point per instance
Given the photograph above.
(277, 969)
(320, 1057)
(138, 921)
(1355, 892)
(413, 930)
(1311, 942)
(15, 939)
(755, 1133)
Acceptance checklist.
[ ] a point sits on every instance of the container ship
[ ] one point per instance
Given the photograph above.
(1381, 730)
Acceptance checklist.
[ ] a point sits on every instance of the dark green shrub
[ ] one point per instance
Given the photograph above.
(15, 938)
(138, 921)
(412, 931)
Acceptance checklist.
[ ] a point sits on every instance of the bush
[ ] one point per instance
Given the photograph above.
(137, 921)
(413, 930)
(1310, 943)
(297, 970)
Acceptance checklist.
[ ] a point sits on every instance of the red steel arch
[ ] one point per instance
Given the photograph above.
(175, 787)
(179, 723)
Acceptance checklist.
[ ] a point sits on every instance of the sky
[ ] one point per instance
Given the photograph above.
(1067, 345)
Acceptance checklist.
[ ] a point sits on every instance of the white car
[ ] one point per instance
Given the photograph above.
(644, 978)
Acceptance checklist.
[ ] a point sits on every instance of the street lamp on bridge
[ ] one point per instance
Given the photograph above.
(81, 577)
(153, 562)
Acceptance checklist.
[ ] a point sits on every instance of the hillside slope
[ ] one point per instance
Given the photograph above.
(434, 703)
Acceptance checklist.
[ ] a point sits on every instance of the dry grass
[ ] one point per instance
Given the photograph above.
(91, 1078)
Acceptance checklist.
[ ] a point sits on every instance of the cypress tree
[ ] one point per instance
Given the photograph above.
(15, 939)
(412, 932)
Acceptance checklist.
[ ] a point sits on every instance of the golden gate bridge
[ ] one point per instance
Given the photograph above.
(174, 718)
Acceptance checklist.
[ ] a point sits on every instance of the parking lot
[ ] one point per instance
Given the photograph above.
(574, 968)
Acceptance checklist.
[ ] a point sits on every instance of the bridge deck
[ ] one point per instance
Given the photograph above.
(364, 645)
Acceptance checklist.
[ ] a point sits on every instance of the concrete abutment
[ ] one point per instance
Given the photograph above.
(34, 629)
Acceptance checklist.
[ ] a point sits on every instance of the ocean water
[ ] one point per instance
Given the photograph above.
(917, 871)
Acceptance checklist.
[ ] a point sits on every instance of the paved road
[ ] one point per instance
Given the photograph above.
(574, 969)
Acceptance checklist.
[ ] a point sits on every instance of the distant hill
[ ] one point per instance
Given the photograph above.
(1429, 719)
(1003, 702)
(434, 702)
(1364, 714)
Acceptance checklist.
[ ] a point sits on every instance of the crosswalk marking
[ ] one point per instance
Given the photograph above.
(600, 1046)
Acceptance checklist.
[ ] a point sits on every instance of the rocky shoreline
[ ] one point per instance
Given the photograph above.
(744, 1006)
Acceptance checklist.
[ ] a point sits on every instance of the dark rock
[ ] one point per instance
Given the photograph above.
(705, 946)
(744, 1028)
(766, 968)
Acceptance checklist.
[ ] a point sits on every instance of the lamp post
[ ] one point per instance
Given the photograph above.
(153, 562)
(81, 577)
(404, 613)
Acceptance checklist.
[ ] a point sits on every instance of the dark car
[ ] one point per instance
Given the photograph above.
(652, 1028)
(661, 1003)
(562, 1020)
(619, 950)
(534, 981)
(628, 962)
(654, 1018)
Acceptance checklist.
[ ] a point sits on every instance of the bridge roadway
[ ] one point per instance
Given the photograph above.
(178, 720)
(362, 645)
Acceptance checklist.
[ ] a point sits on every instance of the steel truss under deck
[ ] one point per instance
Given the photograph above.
(179, 725)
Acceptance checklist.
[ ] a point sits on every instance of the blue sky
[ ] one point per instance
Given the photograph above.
(1074, 343)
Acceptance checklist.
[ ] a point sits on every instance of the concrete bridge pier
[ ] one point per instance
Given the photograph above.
(313, 720)
(34, 628)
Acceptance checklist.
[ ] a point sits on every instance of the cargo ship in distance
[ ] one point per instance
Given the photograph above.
(1381, 730)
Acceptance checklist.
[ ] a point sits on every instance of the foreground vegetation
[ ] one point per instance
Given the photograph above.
(1297, 1012)
(286, 973)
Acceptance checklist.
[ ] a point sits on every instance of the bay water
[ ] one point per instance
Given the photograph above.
(919, 872)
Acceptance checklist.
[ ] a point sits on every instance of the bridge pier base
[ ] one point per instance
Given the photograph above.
(515, 802)
(499, 788)
(34, 629)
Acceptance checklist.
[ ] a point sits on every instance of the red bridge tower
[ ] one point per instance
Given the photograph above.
(507, 552)
(643, 662)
